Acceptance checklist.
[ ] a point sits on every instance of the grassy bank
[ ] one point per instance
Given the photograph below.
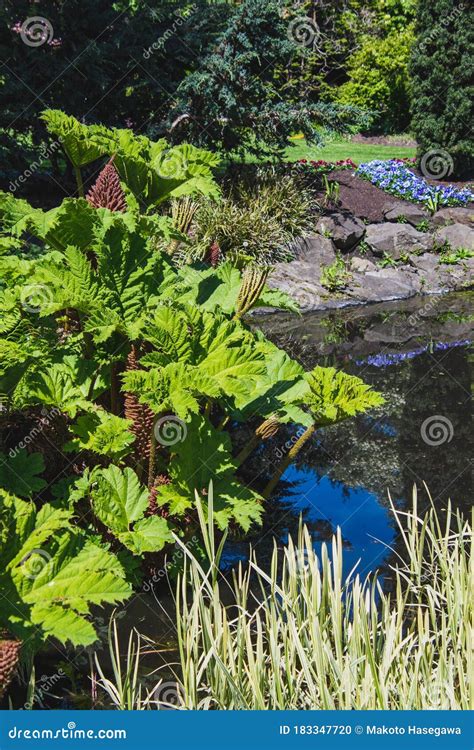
(337, 150)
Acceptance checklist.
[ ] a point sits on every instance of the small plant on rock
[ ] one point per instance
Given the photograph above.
(335, 277)
(423, 225)
(452, 258)
(331, 192)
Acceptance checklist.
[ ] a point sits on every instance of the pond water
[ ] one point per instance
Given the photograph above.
(417, 354)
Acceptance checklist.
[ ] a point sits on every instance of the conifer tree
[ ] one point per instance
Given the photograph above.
(236, 99)
(442, 71)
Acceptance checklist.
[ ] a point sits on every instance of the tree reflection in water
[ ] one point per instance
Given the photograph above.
(418, 356)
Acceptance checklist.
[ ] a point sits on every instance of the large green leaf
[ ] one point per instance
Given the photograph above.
(57, 386)
(148, 535)
(334, 396)
(51, 574)
(19, 472)
(120, 501)
(102, 433)
(156, 172)
(177, 388)
(119, 498)
(204, 455)
(277, 391)
(16, 214)
(221, 357)
(82, 144)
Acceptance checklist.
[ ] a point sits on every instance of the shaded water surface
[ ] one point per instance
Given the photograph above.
(417, 354)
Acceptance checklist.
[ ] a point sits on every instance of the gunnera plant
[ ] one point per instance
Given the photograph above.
(257, 222)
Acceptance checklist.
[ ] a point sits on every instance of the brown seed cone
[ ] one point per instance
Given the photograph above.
(153, 508)
(9, 657)
(107, 191)
(214, 254)
(141, 415)
(268, 428)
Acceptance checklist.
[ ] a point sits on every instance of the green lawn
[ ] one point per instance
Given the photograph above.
(336, 150)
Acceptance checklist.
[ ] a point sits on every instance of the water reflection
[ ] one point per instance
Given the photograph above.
(365, 524)
(418, 356)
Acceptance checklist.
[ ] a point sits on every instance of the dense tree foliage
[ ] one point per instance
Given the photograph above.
(221, 73)
(378, 80)
(102, 61)
(234, 99)
(443, 74)
(236, 75)
(358, 55)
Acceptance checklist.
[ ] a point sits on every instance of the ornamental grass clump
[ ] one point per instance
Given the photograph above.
(257, 222)
(308, 636)
(395, 178)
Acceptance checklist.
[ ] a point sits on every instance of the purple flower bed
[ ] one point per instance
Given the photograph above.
(394, 177)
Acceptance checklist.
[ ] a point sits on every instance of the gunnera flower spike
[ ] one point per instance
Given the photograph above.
(107, 191)
(9, 657)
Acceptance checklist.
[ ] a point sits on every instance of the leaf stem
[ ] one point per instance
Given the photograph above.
(152, 462)
(247, 449)
(80, 184)
(290, 456)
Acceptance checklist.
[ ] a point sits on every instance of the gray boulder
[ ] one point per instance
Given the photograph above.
(362, 265)
(300, 277)
(383, 284)
(316, 250)
(452, 215)
(344, 230)
(396, 239)
(456, 235)
(412, 213)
